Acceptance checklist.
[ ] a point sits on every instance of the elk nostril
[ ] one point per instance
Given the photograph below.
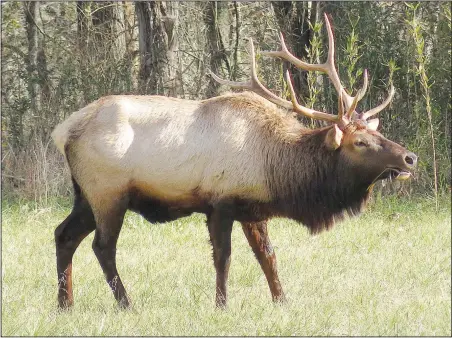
(411, 159)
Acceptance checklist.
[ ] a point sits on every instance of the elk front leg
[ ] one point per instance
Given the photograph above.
(219, 223)
(257, 236)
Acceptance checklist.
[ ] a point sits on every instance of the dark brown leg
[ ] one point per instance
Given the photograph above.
(109, 222)
(68, 235)
(257, 236)
(220, 223)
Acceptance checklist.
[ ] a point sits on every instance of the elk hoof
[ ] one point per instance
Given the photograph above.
(220, 303)
(124, 303)
(65, 303)
(279, 299)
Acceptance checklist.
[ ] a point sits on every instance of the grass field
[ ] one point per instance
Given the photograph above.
(387, 272)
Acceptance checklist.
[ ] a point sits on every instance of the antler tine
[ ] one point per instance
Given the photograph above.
(350, 101)
(352, 108)
(254, 84)
(379, 108)
(307, 111)
(288, 56)
(340, 107)
(365, 85)
(359, 95)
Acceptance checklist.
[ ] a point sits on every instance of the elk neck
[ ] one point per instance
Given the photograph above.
(313, 184)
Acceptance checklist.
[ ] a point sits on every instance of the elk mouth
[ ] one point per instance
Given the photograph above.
(393, 173)
(398, 174)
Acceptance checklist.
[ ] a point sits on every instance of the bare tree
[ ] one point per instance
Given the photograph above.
(170, 14)
(108, 25)
(157, 43)
(295, 19)
(83, 22)
(214, 44)
(31, 14)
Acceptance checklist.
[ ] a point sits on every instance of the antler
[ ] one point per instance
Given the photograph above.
(373, 111)
(256, 86)
(328, 67)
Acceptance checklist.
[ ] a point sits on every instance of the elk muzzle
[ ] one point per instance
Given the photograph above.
(403, 173)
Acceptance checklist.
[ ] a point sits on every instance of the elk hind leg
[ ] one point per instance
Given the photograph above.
(257, 236)
(109, 218)
(68, 235)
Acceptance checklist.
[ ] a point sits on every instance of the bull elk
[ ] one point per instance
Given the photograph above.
(232, 157)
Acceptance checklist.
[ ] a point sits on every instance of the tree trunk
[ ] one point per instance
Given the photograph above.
(108, 22)
(31, 14)
(214, 44)
(48, 117)
(234, 36)
(293, 20)
(83, 19)
(130, 45)
(153, 47)
(170, 15)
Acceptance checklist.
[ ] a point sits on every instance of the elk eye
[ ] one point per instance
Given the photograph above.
(360, 144)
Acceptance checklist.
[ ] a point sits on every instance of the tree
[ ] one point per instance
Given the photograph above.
(157, 43)
(31, 9)
(295, 20)
(214, 46)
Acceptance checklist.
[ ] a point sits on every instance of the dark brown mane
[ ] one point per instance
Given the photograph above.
(320, 187)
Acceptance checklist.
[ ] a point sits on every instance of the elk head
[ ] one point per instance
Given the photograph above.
(352, 134)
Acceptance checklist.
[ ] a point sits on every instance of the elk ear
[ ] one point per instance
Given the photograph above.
(333, 138)
(373, 124)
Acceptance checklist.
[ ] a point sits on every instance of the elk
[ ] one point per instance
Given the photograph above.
(235, 157)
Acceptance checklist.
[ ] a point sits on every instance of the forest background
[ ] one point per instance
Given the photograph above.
(58, 57)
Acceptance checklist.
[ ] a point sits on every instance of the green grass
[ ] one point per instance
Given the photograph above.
(387, 272)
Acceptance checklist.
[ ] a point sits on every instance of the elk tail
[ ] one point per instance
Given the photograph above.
(60, 135)
(73, 126)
